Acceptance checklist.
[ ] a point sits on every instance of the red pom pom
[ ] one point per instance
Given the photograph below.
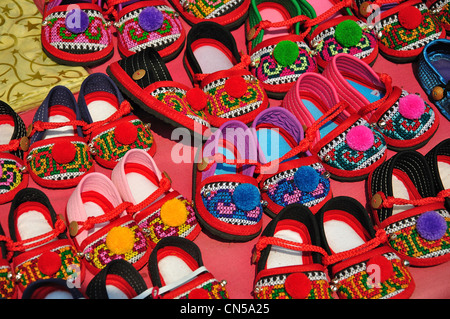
(198, 293)
(197, 99)
(63, 152)
(380, 268)
(125, 133)
(298, 285)
(236, 86)
(49, 263)
(410, 17)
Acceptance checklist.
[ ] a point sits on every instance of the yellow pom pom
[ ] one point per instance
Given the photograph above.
(174, 212)
(120, 240)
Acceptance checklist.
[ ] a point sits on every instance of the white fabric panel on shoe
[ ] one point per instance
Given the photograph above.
(172, 268)
(100, 110)
(61, 131)
(212, 59)
(280, 256)
(399, 191)
(444, 172)
(59, 294)
(115, 293)
(32, 224)
(140, 186)
(341, 236)
(6, 131)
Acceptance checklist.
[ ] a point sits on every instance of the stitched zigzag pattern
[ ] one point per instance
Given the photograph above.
(356, 283)
(135, 39)
(7, 285)
(283, 191)
(273, 287)
(207, 9)
(409, 242)
(213, 287)
(218, 201)
(11, 175)
(400, 128)
(270, 72)
(96, 37)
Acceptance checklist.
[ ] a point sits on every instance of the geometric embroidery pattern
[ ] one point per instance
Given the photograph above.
(208, 9)
(11, 175)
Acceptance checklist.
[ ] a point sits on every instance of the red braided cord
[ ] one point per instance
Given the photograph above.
(40, 126)
(390, 201)
(245, 62)
(13, 145)
(124, 109)
(164, 186)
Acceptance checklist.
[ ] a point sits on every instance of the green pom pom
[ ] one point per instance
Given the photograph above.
(348, 33)
(286, 52)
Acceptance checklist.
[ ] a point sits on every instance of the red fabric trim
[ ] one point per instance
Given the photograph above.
(121, 284)
(289, 270)
(31, 206)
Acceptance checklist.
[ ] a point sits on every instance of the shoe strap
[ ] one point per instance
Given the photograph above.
(245, 62)
(164, 186)
(156, 292)
(124, 109)
(387, 81)
(380, 200)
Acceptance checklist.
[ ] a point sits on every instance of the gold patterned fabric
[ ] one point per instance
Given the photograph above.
(26, 73)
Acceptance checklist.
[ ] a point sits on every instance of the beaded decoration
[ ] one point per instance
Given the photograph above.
(135, 39)
(326, 45)
(355, 282)
(11, 176)
(441, 10)
(96, 37)
(406, 240)
(270, 72)
(209, 289)
(222, 104)
(156, 229)
(218, 201)
(43, 165)
(273, 287)
(282, 189)
(397, 127)
(206, 9)
(7, 284)
(339, 155)
(28, 271)
(396, 37)
(107, 147)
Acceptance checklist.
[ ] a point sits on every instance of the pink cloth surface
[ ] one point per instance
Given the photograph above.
(231, 261)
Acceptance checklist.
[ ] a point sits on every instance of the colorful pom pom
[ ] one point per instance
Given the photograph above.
(49, 263)
(286, 52)
(431, 225)
(380, 268)
(306, 178)
(120, 240)
(77, 21)
(411, 106)
(246, 197)
(348, 33)
(360, 138)
(236, 86)
(174, 212)
(63, 152)
(196, 98)
(125, 133)
(151, 19)
(298, 285)
(410, 17)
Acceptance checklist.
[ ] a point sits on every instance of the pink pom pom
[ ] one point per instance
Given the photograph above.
(360, 138)
(411, 106)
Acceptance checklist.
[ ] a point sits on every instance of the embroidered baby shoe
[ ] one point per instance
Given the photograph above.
(112, 129)
(288, 256)
(58, 156)
(441, 11)
(407, 207)
(438, 158)
(331, 29)
(432, 71)
(8, 288)
(348, 146)
(159, 210)
(176, 271)
(226, 195)
(101, 228)
(52, 288)
(287, 176)
(279, 55)
(229, 13)
(142, 24)
(144, 78)
(405, 120)
(212, 61)
(13, 143)
(403, 27)
(361, 265)
(76, 33)
(40, 244)
(117, 280)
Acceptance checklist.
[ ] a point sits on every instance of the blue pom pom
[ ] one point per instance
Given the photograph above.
(306, 178)
(77, 21)
(431, 225)
(151, 19)
(246, 197)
